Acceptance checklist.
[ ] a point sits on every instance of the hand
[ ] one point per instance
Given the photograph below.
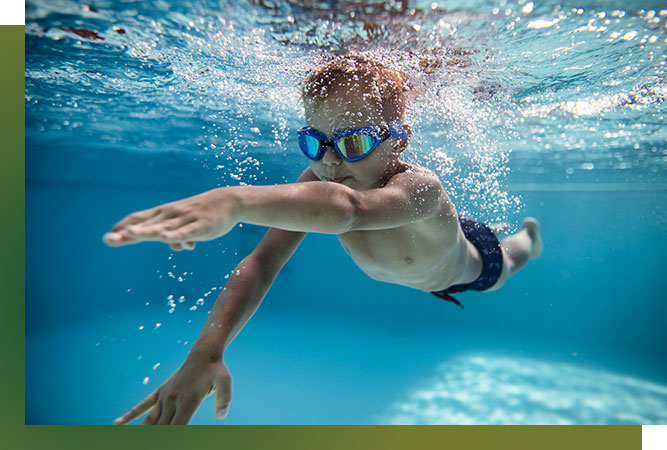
(200, 218)
(177, 400)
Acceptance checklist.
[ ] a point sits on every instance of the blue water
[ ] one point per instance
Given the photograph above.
(551, 112)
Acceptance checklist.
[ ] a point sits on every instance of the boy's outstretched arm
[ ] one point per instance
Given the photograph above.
(320, 207)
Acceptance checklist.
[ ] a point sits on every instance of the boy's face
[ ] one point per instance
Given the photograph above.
(343, 110)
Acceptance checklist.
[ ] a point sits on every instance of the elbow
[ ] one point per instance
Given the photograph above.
(250, 267)
(352, 212)
(257, 271)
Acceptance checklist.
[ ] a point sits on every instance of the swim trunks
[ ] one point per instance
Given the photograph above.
(488, 246)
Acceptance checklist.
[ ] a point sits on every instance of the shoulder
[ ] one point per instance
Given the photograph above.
(417, 180)
(423, 186)
(415, 173)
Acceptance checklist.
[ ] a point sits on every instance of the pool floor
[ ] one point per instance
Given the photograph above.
(291, 367)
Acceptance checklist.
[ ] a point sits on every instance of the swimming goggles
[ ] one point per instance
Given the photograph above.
(351, 145)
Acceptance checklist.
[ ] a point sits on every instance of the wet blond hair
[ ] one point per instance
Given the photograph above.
(343, 72)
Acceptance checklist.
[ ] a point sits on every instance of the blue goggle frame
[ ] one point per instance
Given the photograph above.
(351, 145)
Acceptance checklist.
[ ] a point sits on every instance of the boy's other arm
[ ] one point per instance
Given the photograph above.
(321, 207)
(204, 372)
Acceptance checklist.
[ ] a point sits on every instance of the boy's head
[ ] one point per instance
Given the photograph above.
(348, 93)
(378, 84)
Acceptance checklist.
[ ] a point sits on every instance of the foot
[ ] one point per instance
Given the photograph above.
(532, 226)
(499, 228)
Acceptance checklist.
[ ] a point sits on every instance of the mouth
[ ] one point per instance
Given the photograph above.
(336, 180)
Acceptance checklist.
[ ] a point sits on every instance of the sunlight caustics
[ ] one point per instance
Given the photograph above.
(508, 390)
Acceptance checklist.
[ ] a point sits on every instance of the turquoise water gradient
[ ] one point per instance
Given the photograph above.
(313, 354)
(555, 114)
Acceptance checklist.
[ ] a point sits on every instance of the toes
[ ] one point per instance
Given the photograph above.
(531, 222)
(532, 226)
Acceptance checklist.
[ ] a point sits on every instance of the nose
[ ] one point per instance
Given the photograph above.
(331, 157)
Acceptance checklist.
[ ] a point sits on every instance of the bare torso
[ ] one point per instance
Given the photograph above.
(430, 254)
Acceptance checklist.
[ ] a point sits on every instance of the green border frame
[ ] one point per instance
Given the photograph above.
(12, 225)
(18, 435)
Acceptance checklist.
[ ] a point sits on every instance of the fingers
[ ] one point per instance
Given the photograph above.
(137, 217)
(118, 234)
(151, 229)
(138, 410)
(223, 396)
(118, 239)
(188, 231)
(155, 229)
(189, 245)
(184, 413)
(152, 417)
(178, 246)
(166, 414)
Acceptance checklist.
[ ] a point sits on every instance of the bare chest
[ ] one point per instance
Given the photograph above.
(416, 255)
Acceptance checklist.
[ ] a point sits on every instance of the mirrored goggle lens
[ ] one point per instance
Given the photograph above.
(309, 145)
(355, 145)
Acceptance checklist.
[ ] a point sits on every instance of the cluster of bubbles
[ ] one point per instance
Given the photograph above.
(236, 68)
(589, 86)
(582, 87)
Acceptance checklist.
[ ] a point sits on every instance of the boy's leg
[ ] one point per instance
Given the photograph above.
(518, 249)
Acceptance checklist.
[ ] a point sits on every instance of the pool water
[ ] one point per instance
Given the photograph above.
(554, 110)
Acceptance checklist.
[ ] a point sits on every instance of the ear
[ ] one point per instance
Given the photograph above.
(408, 129)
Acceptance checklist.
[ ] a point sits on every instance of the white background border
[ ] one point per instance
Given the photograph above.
(12, 12)
(654, 437)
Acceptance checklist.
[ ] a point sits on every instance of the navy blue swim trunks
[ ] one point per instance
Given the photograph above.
(488, 246)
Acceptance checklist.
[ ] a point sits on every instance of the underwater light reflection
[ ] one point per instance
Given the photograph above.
(508, 390)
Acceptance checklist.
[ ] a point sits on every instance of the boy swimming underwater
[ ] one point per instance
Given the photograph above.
(394, 219)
